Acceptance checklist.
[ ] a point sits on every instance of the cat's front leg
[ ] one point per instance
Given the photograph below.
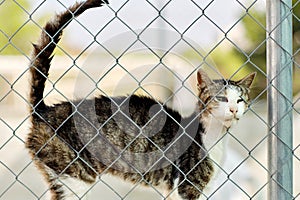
(174, 193)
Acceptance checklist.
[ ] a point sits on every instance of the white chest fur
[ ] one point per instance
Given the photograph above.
(216, 124)
(215, 141)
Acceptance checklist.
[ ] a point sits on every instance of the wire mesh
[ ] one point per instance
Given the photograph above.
(152, 48)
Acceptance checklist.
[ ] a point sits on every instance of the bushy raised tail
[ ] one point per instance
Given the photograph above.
(42, 53)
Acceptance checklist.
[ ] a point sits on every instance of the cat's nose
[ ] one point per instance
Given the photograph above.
(233, 110)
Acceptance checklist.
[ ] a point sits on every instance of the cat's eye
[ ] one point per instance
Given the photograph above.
(240, 100)
(222, 98)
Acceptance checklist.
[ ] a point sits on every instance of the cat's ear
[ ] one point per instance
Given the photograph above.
(247, 80)
(203, 79)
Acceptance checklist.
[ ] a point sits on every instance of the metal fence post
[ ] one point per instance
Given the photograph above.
(280, 69)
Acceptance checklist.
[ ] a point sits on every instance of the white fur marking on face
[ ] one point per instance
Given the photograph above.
(234, 96)
(220, 119)
(231, 111)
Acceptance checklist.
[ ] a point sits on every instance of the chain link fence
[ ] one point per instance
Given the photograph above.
(153, 48)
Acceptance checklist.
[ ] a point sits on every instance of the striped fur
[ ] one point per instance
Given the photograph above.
(73, 143)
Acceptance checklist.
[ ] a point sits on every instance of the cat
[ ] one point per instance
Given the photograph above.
(136, 138)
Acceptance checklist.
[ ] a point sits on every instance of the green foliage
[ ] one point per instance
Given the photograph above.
(254, 25)
(17, 29)
(227, 62)
(251, 54)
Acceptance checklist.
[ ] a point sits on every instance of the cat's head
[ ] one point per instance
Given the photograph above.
(224, 100)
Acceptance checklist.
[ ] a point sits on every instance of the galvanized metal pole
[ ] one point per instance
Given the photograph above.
(280, 70)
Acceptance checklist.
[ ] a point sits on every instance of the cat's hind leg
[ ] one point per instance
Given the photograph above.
(66, 187)
(71, 188)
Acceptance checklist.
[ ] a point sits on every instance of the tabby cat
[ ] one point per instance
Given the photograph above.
(132, 137)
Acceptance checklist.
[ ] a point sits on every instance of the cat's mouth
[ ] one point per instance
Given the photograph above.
(236, 118)
(233, 118)
(230, 121)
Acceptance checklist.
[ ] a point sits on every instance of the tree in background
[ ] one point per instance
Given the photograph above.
(17, 28)
(253, 55)
(256, 35)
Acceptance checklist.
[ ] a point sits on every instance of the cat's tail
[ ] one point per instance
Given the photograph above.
(43, 50)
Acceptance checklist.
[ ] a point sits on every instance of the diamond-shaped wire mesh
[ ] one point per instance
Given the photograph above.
(145, 47)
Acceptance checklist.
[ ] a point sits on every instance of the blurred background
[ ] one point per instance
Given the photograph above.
(227, 38)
